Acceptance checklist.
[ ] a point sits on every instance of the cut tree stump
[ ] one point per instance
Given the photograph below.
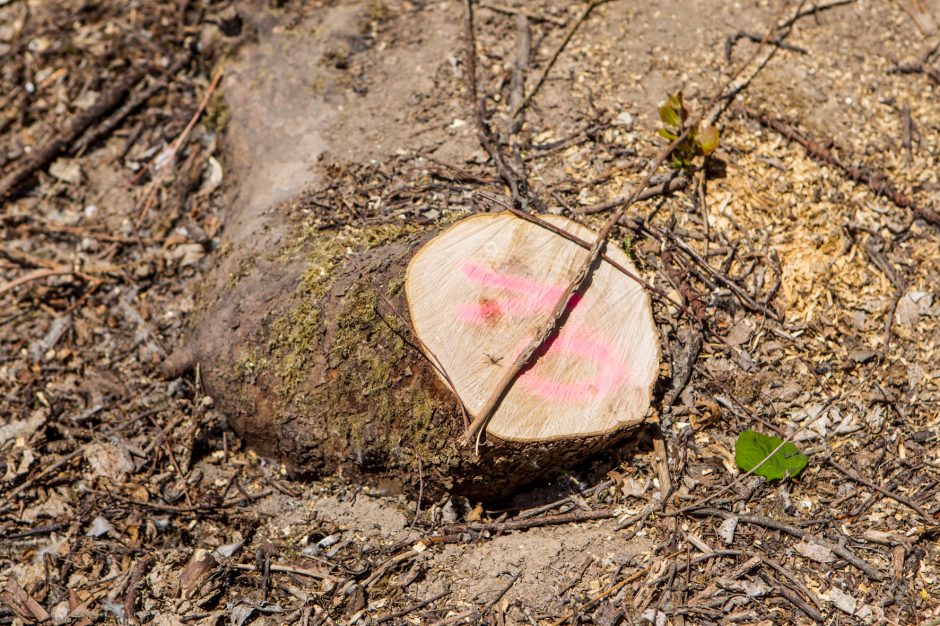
(333, 379)
(479, 292)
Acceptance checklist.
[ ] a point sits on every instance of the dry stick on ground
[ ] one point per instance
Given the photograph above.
(792, 598)
(877, 257)
(876, 182)
(532, 522)
(109, 125)
(857, 477)
(907, 141)
(766, 522)
(502, 592)
(557, 52)
(484, 134)
(570, 499)
(36, 275)
(148, 199)
(924, 67)
(732, 40)
(284, 569)
(517, 83)
(793, 580)
(130, 601)
(639, 224)
(538, 17)
(679, 181)
(46, 153)
(412, 608)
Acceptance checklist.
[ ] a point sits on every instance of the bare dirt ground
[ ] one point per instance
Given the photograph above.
(125, 498)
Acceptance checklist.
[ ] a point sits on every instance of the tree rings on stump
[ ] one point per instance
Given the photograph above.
(479, 292)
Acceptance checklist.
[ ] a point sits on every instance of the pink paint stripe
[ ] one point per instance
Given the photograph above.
(536, 297)
(610, 373)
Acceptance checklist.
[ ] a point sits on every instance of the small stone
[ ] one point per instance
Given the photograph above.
(726, 530)
(626, 120)
(861, 355)
(815, 552)
(842, 601)
(98, 527)
(66, 170)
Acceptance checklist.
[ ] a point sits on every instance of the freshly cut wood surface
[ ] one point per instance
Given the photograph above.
(478, 293)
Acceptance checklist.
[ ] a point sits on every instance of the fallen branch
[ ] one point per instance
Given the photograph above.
(876, 182)
(792, 598)
(759, 520)
(856, 477)
(284, 569)
(484, 134)
(412, 608)
(38, 274)
(674, 183)
(532, 522)
(44, 155)
(109, 125)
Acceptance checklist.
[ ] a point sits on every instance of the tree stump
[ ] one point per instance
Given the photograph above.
(333, 378)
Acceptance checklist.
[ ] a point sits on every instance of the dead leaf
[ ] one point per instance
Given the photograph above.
(108, 460)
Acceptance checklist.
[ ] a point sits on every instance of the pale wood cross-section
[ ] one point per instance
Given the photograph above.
(480, 290)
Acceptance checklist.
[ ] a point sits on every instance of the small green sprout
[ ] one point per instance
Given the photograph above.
(701, 140)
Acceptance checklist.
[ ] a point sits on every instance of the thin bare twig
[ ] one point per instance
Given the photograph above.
(538, 17)
(674, 183)
(877, 182)
(532, 522)
(766, 522)
(46, 153)
(792, 598)
(411, 609)
(585, 12)
(38, 274)
(857, 477)
(148, 199)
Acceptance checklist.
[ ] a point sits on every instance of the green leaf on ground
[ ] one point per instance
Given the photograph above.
(669, 115)
(708, 140)
(752, 447)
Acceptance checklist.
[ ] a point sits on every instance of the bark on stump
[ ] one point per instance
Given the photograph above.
(330, 377)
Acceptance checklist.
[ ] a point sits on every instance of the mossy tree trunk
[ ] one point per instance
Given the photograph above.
(311, 356)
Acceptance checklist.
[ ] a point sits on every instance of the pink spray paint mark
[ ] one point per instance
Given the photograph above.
(534, 297)
(537, 298)
(609, 371)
